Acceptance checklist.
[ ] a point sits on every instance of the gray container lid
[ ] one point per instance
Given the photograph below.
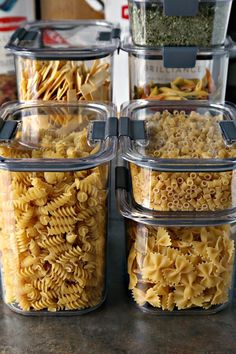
(139, 145)
(25, 128)
(70, 39)
(177, 56)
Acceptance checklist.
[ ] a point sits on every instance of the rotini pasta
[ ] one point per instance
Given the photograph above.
(191, 268)
(53, 229)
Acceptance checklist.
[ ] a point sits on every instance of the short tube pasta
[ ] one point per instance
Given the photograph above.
(212, 190)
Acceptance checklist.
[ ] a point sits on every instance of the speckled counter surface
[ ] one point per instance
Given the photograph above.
(118, 327)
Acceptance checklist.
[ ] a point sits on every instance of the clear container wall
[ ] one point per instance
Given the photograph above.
(179, 133)
(150, 79)
(180, 269)
(151, 27)
(183, 191)
(53, 224)
(65, 80)
(53, 239)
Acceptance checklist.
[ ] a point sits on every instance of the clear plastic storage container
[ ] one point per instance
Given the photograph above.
(54, 175)
(177, 73)
(177, 266)
(65, 60)
(185, 22)
(182, 156)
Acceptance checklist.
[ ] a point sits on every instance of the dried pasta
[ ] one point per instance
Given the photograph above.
(179, 135)
(52, 242)
(178, 268)
(178, 90)
(64, 80)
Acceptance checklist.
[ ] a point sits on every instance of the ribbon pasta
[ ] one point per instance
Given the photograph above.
(63, 80)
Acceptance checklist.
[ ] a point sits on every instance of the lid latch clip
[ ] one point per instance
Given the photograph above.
(8, 129)
(100, 130)
(134, 129)
(181, 7)
(228, 129)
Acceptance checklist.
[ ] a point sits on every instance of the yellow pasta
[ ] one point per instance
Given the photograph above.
(52, 242)
(193, 268)
(192, 136)
(63, 80)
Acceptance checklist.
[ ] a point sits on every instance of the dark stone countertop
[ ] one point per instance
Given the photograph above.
(118, 327)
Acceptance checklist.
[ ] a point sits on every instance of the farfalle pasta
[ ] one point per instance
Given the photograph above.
(179, 268)
(181, 135)
(53, 224)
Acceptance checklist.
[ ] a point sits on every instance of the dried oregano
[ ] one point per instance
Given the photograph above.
(151, 27)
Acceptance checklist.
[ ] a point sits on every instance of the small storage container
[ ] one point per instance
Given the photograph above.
(179, 23)
(177, 266)
(65, 60)
(178, 73)
(182, 157)
(54, 176)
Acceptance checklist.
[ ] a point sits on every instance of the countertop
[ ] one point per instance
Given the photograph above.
(118, 327)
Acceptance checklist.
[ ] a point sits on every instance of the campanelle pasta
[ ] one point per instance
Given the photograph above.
(53, 226)
(177, 268)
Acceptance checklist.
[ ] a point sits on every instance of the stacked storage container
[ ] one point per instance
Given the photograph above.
(178, 49)
(176, 190)
(54, 206)
(65, 60)
(55, 168)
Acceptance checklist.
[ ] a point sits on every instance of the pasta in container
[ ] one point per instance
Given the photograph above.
(184, 160)
(65, 60)
(177, 73)
(177, 265)
(54, 174)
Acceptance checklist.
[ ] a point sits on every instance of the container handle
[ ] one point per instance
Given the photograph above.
(181, 7)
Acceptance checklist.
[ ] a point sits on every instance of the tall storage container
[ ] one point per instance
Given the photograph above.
(53, 202)
(177, 265)
(177, 73)
(183, 22)
(65, 60)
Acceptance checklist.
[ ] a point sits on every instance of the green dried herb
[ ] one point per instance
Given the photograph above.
(152, 28)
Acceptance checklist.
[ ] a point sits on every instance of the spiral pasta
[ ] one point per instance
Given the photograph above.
(52, 239)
